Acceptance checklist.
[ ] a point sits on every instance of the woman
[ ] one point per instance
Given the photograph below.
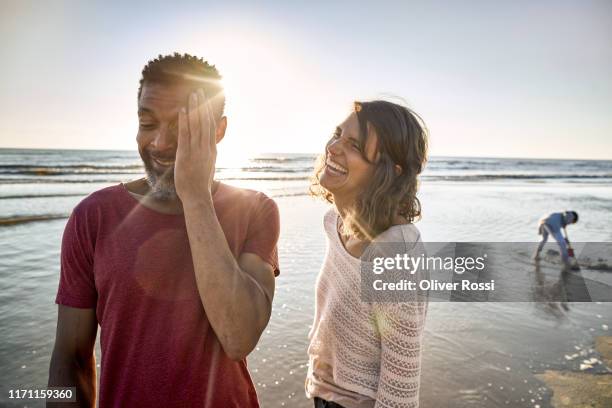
(367, 354)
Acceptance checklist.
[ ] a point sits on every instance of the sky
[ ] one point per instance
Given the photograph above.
(496, 79)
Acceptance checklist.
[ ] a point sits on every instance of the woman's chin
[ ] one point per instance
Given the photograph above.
(330, 183)
(331, 180)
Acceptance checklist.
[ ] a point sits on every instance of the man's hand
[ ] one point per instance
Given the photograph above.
(196, 152)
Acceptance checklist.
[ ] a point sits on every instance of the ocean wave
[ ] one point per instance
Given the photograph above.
(299, 175)
(19, 196)
(59, 181)
(49, 171)
(123, 179)
(453, 162)
(275, 178)
(23, 219)
(24, 196)
(69, 166)
(283, 159)
(24, 170)
(485, 177)
(59, 172)
(270, 169)
(296, 194)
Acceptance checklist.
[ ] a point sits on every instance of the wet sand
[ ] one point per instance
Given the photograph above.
(475, 355)
(603, 344)
(578, 389)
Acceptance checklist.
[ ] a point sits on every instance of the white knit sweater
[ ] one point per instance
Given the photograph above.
(363, 354)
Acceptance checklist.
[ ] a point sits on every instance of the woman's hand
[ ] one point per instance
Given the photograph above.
(196, 152)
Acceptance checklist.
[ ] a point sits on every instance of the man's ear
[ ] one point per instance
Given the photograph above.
(221, 127)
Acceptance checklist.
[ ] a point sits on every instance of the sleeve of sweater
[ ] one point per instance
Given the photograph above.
(401, 330)
(401, 325)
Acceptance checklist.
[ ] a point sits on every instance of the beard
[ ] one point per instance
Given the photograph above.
(160, 182)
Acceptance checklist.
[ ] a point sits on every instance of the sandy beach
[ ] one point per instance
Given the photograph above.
(475, 354)
(498, 113)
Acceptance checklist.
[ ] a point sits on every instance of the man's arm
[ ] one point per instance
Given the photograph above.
(73, 362)
(236, 295)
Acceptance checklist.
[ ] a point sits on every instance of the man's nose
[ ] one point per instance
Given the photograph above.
(165, 139)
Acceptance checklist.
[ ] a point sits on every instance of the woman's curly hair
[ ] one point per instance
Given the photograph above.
(402, 140)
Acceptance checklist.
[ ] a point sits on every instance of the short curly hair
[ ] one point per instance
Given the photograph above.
(186, 68)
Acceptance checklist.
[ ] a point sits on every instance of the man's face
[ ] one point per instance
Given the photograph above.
(158, 109)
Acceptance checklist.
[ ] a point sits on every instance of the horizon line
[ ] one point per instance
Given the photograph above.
(313, 153)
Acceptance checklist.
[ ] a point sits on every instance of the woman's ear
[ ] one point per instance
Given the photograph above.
(398, 169)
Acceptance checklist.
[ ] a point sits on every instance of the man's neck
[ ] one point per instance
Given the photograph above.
(141, 190)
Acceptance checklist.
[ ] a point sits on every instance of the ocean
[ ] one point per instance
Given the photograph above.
(475, 354)
(45, 184)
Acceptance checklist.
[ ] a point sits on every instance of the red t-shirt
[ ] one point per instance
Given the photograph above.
(133, 265)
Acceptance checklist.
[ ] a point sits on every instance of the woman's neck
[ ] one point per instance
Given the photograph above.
(351, 243)
(344, 205)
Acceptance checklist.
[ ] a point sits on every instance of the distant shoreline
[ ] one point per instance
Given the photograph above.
(314, 154)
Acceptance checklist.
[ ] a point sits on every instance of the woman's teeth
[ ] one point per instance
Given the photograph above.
(335, 166)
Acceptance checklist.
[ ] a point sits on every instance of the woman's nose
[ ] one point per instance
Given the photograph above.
(333, 146)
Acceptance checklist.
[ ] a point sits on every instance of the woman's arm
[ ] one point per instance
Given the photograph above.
(401, 328)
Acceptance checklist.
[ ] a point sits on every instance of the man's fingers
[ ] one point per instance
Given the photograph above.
(183, 131)
(204, 120)
(212, 126)
(194, 120)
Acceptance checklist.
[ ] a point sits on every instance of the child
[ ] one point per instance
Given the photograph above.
(552, 224)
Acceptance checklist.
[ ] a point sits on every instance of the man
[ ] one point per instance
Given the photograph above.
(551, 225)
(177, 268)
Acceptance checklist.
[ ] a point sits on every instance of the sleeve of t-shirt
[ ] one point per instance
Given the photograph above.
(77, 287)
(263, 232)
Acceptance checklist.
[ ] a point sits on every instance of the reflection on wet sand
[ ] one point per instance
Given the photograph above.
(554, 297)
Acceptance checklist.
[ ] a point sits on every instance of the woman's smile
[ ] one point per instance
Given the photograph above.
(335, 169)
